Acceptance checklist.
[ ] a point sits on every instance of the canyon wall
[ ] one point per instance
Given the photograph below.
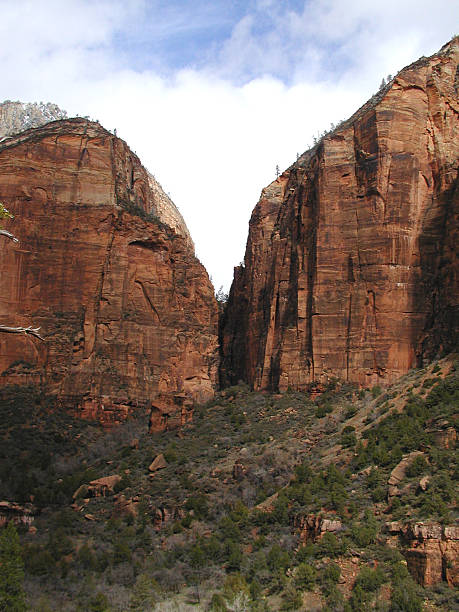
(351, 264)
(106, 267)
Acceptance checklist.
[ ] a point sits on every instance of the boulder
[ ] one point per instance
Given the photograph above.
(399, 471)
(424, 483)
(158, 463)
(101, 487)
(125, 507)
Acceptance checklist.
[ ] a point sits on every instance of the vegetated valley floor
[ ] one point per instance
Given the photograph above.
(220, 527)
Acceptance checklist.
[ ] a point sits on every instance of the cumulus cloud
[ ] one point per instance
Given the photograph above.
(212, 99)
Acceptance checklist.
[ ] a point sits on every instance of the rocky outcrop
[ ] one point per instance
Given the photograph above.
(163, 515)
(351, 264)
(312, 527)
(399, 472)
(171, 412)
(106, 267)
(101, 487)
(125, 507)
(443, 433)
(431, 551)
(17, 514)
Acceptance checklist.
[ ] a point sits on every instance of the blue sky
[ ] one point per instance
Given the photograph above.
(171, 36)
(177, 35)
(213, 95)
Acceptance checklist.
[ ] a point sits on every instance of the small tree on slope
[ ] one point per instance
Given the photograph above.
(12, 596)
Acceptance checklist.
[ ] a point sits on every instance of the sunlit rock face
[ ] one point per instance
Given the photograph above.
(351, 263)
(106, 267)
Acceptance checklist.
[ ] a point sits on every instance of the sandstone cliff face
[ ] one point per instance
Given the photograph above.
(127, 311)
(431, 551)
(351, 264)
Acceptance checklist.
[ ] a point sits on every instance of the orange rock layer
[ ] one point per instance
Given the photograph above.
(351, 267)
(127, 311)
(432, 553)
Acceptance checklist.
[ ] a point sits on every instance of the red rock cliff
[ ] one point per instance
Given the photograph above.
(351, 263)
(127, 311)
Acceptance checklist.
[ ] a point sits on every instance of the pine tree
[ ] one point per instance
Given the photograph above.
(144, 593)
(12, 596)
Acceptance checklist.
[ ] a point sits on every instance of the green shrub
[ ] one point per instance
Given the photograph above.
(218, 603)
(334, 598)
(277, 558)
(292, 599)
(305, 553)
(280, 511)
(375, 391)
(405, 598)
(170, 454)
(367, 583)
(186, 521)
(379, 494)
(124, 483)
(370, 579)
(305, 576)
(234, 584)
(87, 558)
(229, 530)
(197, 556)
(348, 440)
(121, 552)
(12, 596)
(331, 573)
(417, 467)
(38, 561)
(234, 556)
(365, 533)
(303, 473)
(99, 603)
(323, 410)
(144, 593)
(199, 505)
(350, 412)
(330, 546)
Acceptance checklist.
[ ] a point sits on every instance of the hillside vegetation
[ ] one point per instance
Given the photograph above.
(267, 502)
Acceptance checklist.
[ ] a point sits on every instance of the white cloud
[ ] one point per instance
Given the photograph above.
(213, 136)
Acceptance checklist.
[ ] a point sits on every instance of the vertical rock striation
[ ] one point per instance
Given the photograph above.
(351, 262)
(106, 267)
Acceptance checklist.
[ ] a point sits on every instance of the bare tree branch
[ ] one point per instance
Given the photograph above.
(31, 331)
(8, 235)
(28, 331)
